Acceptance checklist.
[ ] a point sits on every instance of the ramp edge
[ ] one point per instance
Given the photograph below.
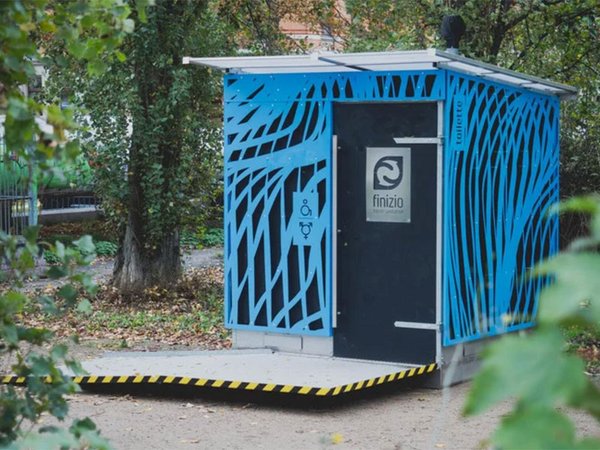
(234, 384)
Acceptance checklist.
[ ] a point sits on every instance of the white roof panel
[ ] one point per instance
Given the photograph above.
(503, 78)
(305, 69)
(380, 61)
(467, 68)
(383, 58)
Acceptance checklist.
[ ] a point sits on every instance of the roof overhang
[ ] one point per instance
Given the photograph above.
(430, 59)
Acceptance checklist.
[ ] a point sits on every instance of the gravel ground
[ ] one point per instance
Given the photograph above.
(408, 419)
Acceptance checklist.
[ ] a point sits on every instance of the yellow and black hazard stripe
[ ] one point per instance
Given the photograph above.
(239, 385)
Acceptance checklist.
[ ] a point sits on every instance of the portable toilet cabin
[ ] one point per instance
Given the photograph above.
(385, 206)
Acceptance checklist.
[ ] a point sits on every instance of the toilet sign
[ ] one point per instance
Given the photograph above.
(304, 223)
(388, 184)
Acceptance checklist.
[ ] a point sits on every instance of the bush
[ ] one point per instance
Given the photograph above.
(102, 248)
(50, 257)
(106, 248)
(213, 237)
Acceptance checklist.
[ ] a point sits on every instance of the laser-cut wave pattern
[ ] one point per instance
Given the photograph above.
(278, 160)
(500, 177)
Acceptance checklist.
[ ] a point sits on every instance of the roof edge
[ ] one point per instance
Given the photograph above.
(320, 62)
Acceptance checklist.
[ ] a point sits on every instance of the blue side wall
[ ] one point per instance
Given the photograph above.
(278, 190)
(501, 162)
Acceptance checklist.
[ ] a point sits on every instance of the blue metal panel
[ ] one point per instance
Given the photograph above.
(500, 177)
(278, 190)
(342, 86)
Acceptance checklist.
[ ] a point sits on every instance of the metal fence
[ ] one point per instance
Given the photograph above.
(18, 202)
(66, 198)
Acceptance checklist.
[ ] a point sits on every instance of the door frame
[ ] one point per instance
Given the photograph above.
(439, 141)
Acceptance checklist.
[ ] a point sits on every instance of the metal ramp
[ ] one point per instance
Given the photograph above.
(243, 370)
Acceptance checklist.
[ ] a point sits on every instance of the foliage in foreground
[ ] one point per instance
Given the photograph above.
(30, 351)
(37, 134)
(534, 368)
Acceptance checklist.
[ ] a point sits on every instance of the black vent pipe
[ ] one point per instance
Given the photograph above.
(452, 30)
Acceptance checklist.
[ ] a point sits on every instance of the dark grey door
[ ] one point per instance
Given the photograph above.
(386, 232)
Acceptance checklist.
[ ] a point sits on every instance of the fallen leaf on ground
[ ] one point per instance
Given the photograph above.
(337, 438)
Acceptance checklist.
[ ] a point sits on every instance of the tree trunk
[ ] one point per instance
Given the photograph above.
(149, 254)
(136, 269)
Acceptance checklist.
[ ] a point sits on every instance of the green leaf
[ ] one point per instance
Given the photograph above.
(84, 307)
(68, 292)
(59, 249)
(56, 272)
(85, 244)
(535, 429)
(36, 336)
(90, 29)
(40, 366)
(12, 303)
(75, 367)
(81, 425)
(142, 6)
(96, 67)
(9, 333)
(45, 441)
(576, 289)
(59, 351)
(31, 233)
(534, 368)
(72, 149)
(588, 204)
(121, 56)
(77, 49)
(47, 304)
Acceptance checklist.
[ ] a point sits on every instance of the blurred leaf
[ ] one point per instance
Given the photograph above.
(31, 233)
(534, 368)
(36, 336)
(29, 30)
(82, 425)
(59, 249)
(59, 351)
(8, 332)
(12, 302)
(56, 272)
(68, 292)
(84, 307)
(85, 244)
(576, 287)
(535, 429)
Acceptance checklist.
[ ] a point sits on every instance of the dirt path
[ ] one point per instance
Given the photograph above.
(408, 419)
(101, 269)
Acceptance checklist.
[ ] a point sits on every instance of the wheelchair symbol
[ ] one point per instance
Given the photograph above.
(305, 209)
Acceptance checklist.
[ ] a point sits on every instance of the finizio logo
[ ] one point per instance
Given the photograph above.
(388, 173)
